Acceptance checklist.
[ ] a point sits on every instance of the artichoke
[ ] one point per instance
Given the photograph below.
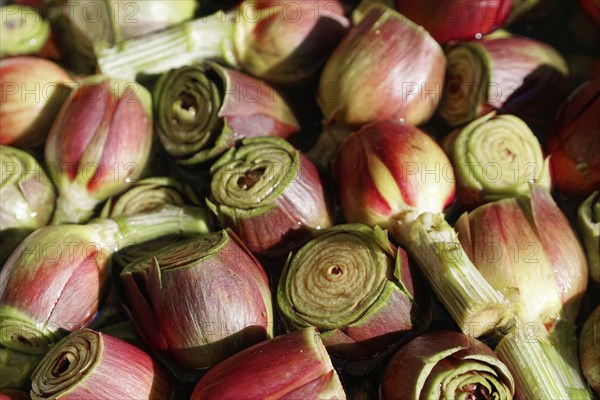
(446, 365)
(150, 194)
(496, 156)
(392, 174)
(32, 92)
(203, 109)
(574, 143)
(99, 145)
(292, 366)
(57, 279)
(199, 301)
(589, 349)
(26, 197)
(356, 288)
(588, 219)
(269, 194)
(89, 364)
(515, 75)
(23, 31)
(284, 42)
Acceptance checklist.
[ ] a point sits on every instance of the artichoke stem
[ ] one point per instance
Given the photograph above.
(539, 371)
(200, 39)
(561, 347)
(473, 303)
(170, 220)
(67, 212)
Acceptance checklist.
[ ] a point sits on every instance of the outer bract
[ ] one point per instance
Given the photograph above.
(99, 144)
(199, 301)
(356, 288)
(91, 365)
(291, 366)
(446, 365)
(32, 92)
(526, 249)
(385, 67)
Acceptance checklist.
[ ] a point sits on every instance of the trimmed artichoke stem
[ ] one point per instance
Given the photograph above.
(473, 303)
(537, 373)
(204, 38)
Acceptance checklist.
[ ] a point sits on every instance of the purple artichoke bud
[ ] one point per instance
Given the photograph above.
(99, 144)
(292, 366)
(199, 301)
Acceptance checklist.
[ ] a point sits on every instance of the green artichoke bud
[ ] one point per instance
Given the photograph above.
(23, 31)
(91, 365)
(202, 110)
(199, 301)
(269, 194)
(496, 157)
(356, 288)
(26, 197)
(150, 194)
(589, 228)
